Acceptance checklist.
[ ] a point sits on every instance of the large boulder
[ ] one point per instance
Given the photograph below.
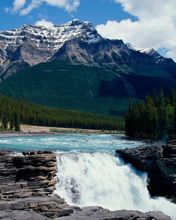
(160, 164)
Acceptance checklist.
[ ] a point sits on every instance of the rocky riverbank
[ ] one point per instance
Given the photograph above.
(27, 184)
(160, 165)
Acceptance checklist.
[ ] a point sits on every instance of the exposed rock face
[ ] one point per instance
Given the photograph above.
(104, 53)
(159, 163)
(27, 183)
(97, 213)
(21, 215)
(71, 54)
(77, 42)
(90, 213)
(51, 206)
(30, 45)
(25, 176)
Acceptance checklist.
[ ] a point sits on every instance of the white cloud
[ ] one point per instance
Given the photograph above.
(155, 26)
(34, 4)
(68, 5)
(18, 4)
(45, 23)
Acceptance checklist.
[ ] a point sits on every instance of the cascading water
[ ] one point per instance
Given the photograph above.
(100, 179)
(89, 174)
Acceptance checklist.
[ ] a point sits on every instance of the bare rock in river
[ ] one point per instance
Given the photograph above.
(27, 184)
(97, 213)
(160, 165)
(22, 176)
(21, 215)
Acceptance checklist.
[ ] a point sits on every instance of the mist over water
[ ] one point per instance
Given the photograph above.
(90, 175)
(100, 179)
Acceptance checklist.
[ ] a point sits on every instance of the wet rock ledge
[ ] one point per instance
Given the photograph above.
(160, 164)
(27, 184)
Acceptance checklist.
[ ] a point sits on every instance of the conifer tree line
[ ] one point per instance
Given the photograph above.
(13, 113)
(154, 118)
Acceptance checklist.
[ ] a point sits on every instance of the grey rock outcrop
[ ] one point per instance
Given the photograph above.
(21, 215)
(90, 213)
(160, 165)
(25, 176)
(31, 45)
(27, 184)
(77, 42)
(97, 213)
(51, 206)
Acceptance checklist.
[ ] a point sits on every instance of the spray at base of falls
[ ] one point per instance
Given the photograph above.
(100, 179)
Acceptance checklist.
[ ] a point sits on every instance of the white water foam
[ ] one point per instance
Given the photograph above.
(100, 179)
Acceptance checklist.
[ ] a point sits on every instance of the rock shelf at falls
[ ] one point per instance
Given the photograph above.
(45, 185)
(159, 163)
(27, 184)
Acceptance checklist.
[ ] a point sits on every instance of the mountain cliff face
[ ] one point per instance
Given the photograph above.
(71, 66)
(30, 45)
(77, 42)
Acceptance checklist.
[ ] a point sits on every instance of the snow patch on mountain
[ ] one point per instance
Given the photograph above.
(43, 38)
(75, 41)
(148, 51)
(54, 37)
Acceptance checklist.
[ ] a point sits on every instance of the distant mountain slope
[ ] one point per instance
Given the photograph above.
(30, 45)
(84, 88)
(71, 66)
(78, 43)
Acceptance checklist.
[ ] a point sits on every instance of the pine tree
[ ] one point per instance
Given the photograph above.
(155, 118)
(12, 123)
(16, 122)
(4, 121)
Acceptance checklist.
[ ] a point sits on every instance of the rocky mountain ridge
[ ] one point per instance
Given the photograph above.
(31, 45)
(76, 41)
(154, 54)
(46, 65)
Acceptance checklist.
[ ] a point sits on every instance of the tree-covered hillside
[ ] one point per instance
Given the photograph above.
(14, 112)
(84, 88)
(154, 118)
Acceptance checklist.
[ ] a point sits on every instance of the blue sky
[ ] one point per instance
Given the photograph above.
(95, 11)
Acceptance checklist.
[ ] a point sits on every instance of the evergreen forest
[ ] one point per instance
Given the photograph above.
(154, 118)
(14, 112)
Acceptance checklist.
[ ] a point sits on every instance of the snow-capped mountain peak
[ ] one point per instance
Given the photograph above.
(154, 54)
(43, 38)
(158, 58)
(58, 34)
(76, 41)
(147, 50)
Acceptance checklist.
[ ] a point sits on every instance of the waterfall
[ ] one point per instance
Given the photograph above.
(100, 179)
